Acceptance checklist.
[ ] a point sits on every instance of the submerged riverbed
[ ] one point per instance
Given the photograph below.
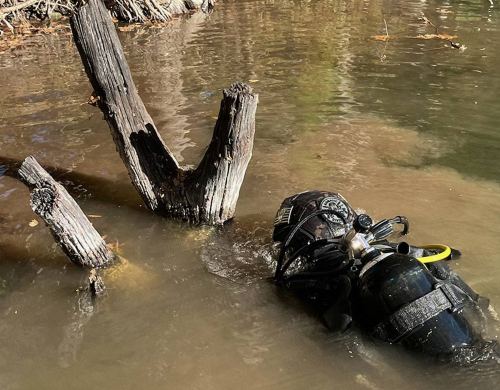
(406, 126)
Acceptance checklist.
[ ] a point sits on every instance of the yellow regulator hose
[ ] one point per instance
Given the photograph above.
(445, 252)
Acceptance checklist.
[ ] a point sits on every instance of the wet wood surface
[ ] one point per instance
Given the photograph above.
(207, 194)
(70, 227)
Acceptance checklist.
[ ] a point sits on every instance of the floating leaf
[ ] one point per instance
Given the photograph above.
(33, 223)
(382, 38)
(444, 37)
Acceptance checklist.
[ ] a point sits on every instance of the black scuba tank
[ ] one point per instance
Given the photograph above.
(400, 300)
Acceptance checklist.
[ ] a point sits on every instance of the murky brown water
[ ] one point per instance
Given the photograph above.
(408, 127)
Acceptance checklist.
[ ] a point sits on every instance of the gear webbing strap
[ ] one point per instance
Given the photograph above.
(445, 296)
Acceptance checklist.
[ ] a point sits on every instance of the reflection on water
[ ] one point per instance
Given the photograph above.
(408, 127)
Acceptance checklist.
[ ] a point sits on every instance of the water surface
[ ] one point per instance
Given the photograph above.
(407, 126)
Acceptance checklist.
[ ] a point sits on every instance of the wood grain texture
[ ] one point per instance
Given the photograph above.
(218, 178)
(207, 194)
(69, 225)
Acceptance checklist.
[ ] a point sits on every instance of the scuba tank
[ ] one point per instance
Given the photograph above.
(342, 263)
(399, 299)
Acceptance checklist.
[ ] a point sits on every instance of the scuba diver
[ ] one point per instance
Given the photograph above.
(342, 264)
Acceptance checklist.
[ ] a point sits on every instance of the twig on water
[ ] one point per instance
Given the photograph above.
(426, 20)
(382, 55)
(454, 45)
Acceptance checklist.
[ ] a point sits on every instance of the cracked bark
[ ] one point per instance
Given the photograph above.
(69, 225)
(207, 194)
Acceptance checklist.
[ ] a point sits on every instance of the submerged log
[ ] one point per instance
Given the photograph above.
(69, 225)
(207, 194)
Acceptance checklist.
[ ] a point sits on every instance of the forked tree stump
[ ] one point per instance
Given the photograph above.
(207, 194)
(69, 225)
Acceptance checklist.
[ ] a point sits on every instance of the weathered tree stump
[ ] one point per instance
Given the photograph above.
(69, 225)
(207, 194)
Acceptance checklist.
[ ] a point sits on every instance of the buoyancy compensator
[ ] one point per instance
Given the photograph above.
(342, 263)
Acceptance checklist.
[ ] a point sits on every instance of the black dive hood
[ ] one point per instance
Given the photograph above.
(342, 260)
(321, 226)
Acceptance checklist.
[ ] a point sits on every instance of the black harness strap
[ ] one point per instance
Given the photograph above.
(445, 296)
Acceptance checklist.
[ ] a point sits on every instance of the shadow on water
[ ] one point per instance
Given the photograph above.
(79, 183)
